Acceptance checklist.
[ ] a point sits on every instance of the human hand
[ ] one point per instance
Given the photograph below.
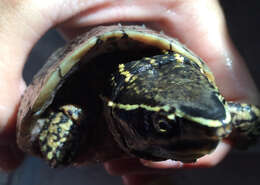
(198, 24)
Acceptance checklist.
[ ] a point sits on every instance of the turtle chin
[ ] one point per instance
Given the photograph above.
(190, 151)
(184, 151)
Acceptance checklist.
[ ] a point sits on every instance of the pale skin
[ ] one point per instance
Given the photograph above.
(199, 24)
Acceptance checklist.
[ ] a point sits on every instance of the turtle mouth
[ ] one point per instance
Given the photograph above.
(187, 151)
(184, 151)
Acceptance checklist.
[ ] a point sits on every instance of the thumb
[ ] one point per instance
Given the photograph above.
(22, 23)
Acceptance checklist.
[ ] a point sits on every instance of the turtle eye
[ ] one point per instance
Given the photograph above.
(162, 125)
(166, 127)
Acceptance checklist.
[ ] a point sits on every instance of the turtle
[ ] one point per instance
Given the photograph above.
(128, 91)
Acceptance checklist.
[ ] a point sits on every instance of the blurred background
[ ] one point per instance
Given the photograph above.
(237, 168)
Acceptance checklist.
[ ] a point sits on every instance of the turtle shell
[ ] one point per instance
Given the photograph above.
(97, 50)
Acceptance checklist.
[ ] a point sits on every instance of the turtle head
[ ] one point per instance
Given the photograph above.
(168, 111)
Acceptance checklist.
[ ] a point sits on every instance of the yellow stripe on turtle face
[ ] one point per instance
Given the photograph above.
(128, 107)
(205, 122)
(200, 120)
(166, 108)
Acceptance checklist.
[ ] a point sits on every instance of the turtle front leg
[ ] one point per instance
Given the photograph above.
(245, 119)
(59, 137)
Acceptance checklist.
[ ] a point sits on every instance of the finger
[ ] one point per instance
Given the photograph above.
(212, 159)
(136, 166)
(132, 167)
(10, 157)
(22, 23)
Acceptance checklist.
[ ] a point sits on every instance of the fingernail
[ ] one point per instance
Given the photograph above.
(163, 164)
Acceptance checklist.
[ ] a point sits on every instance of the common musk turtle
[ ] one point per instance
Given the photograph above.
(128, 90)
